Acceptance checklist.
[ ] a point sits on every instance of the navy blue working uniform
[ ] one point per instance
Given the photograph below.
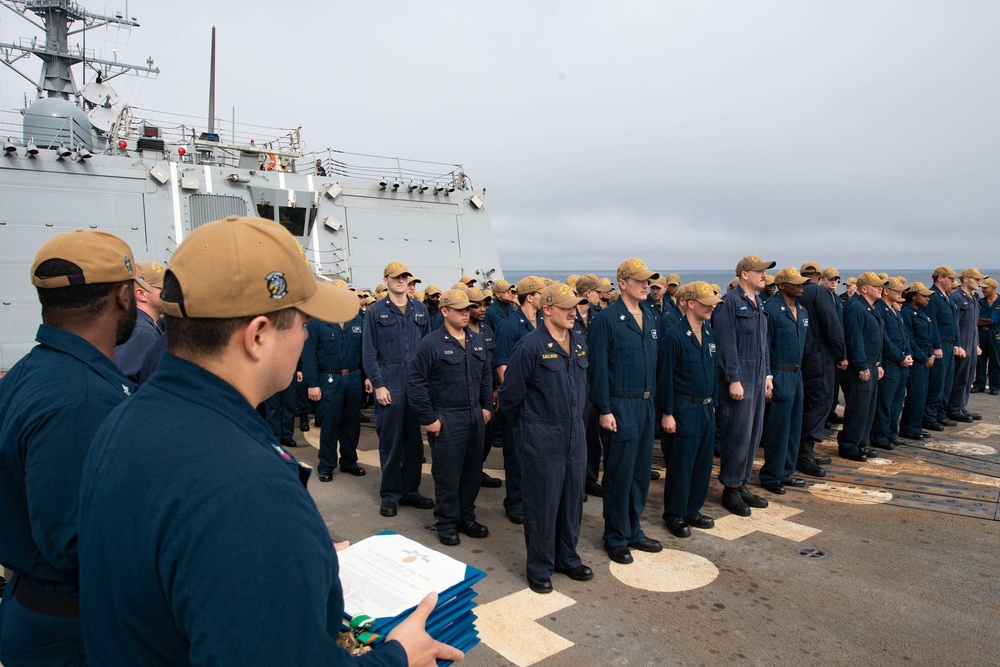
(892, 386)
(434, 316)
(670, 314)
(863, 332)
(967, 337)
(824, 350)
(544, 395)
(130, 356)
(740, 328)
(920, 331)
(687, 389)
(331, 360)
(497, 312)
(988, 368)
(491, 346)
(787, 333)
(513, 329)
(622, 376)
(161, 582)
(390, 339)
(590, 418)
(454, 383)
(943, 313)
(51, 404)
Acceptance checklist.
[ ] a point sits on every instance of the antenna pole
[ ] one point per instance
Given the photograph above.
(211, 89)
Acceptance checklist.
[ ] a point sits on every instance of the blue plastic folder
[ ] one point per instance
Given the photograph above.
(452, 621)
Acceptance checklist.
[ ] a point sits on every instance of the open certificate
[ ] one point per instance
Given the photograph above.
(387, 574)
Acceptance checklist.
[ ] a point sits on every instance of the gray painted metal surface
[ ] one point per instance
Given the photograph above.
(153, 182)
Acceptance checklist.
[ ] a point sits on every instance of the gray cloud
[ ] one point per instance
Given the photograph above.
(688, 133)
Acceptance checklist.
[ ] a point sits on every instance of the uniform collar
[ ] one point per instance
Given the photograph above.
(78, 348)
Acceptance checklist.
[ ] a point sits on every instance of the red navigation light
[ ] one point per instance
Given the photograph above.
(123, 144)
(181, 151)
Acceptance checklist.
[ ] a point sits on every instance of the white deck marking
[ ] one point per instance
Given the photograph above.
(966, 448)
(851, 495)
(669, 571)
(506, 626)
(982, 430)
(771, 520)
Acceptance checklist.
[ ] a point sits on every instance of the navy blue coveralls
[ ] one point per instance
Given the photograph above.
(171, 562)
(967, 336)
(920, 332)
(670, 314)
(740, 327)
(452, 383)
(512, 329)
(687, 388)
(863, 331)
(783, 422)
(988, 367)
(892, 387)
(824, 350)
(130, 356)
(491, 346)
(497, 312)
(390, 338)
(544, 394)
(590, 418)
(435, 317)
(51, 404)
(622, 376)
(942, 312)
(331, 360)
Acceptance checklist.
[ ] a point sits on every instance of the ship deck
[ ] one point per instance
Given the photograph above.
(892, 561)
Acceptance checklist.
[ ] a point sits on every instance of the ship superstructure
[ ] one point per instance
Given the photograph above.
(79, 158)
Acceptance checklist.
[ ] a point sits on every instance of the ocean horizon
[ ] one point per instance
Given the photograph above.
(722, 277)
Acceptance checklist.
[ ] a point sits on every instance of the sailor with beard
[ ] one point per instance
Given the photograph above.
(51, 404)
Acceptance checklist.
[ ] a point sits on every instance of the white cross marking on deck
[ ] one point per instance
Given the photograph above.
(771, 520)
(505, 624)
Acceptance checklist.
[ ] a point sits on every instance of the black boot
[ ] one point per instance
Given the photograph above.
(806, 464)
(303, 423)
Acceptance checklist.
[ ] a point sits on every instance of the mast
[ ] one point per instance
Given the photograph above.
(211, 89)
(57, 16)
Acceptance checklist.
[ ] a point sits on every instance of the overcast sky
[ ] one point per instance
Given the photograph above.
(853, 133)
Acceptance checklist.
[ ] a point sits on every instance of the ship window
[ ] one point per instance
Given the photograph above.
(265, 211)
(293, 219)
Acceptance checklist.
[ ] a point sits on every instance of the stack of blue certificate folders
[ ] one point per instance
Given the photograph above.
(386, 575)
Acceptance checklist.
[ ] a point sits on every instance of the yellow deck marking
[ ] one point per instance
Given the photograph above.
(669, 571)
(771, 520)
(507, 626)
(851, 495)
(967, 448)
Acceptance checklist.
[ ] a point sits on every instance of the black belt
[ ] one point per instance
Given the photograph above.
(694, 399)
(876, 364)
(621, 394)
(947, 340)
(343, 371)
(785, 367)
(44, 602)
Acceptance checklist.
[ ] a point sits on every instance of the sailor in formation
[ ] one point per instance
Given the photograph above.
(544, 394)
(687, 395)
(449, 385)
(622, 368)
(393, 327)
